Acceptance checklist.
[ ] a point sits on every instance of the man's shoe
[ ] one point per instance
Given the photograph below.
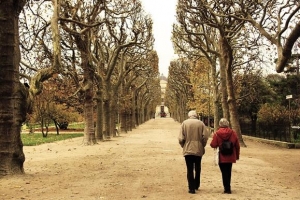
(192, 191)
(227, 192)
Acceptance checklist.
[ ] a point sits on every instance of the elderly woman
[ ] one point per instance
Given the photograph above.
(193, 138)
(225, 161)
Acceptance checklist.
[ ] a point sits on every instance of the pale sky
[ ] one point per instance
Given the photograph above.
(163, 15)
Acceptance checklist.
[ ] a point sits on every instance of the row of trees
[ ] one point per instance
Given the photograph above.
(95, 56)
(220, 39)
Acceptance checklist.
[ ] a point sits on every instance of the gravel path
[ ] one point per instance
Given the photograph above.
(147, 164)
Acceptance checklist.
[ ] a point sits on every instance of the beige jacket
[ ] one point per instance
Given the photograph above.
(193, 137)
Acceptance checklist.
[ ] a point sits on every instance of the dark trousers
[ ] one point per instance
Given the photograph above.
(193, 163)
(226, 175)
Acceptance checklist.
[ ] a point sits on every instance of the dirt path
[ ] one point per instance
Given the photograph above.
(147, 164)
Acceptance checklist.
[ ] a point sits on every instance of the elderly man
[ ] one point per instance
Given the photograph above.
(193, 138)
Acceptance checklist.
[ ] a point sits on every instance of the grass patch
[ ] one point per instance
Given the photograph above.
(76, 126)
(37, 139)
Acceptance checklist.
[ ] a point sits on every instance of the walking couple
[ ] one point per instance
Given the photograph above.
(193, 137)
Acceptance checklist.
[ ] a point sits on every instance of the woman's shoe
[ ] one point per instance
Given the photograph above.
(192, 191)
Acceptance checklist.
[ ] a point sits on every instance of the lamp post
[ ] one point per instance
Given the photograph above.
(289, 97)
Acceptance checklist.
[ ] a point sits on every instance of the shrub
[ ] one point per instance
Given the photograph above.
(272, 114)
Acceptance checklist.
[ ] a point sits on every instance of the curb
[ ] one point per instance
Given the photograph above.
(287, 145)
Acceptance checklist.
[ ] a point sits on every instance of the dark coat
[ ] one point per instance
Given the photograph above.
(223, 134)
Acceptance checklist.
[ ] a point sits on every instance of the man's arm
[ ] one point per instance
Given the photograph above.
(204, 136)
(181, 137)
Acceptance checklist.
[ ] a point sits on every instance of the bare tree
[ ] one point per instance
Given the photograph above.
(12, 159)
(78, 21)
(125, 38)
(144, 71)
(179, 88)
(210, 27)
(279, 23)
(194, 39)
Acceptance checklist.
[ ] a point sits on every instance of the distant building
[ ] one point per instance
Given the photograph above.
(162, 77)
(162, 110)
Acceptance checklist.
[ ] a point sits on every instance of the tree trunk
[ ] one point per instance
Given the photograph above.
(99, 119)
(13, 95)
(83, 43)
(215, 96)
(123, 119)
(133, 111)
(226, 54)
(225, 108)
(113, 118)
(106, 110)
(56, 126)
(89, 129)
(138, 110)
(128, 121)
(183, 110)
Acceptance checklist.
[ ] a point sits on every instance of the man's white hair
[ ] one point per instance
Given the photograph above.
(192, 113)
